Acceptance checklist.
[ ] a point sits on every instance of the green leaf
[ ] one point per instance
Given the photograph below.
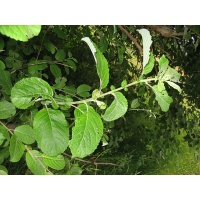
(7, 110)
(124, 83)
(60, 33)
(71, 90)
(60, 55)
(117, 109)
(83, 89)
(121, 50)
(4, 169)
(146, 38)
(9, 61)
(2, 44)
(47, 59)
(75, 170)
(54, 104)
(101, 104)
(163, 62)
(56, 71)
(101, 63)
(135, 103)
(50, 47)
(2, 65)
(2, 138)
(57, 162)
(161, 86)
(51, 131)
(95, 94)
(20, 32)
(64, 100)
(16, 149)
(41, 66)
(33, 70)
(174, 85)
(167, 73)
(1, 159)
(164, 100)
(35, 162)
(72, 64)
(149, 67)
(4, 132)
(35, 66)
(171, 75)
(87, 132)
(29, 90)
(112, 87)
(25, 134)
(5, 81)
(2, 172)
(4, 153)
(60, 83)
(163, 65)
(103, 45)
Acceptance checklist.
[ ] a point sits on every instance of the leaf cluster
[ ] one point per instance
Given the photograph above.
(61, 105)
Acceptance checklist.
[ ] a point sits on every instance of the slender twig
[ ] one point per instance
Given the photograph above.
(107, 93)
(49, 62)
(144, 110)
(131, 38)
(91, 162)
(85, 161)
(128, 85)
(42, 43)
(101, 163)
(37, 158)
(165, 31)
(6, 128)
(42, 62)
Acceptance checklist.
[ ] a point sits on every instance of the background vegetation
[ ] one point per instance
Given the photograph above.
(145, 140)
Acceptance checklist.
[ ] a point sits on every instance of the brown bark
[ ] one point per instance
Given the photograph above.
(165, 31)
(131, 38)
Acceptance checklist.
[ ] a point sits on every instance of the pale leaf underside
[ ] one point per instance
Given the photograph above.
(117, 109)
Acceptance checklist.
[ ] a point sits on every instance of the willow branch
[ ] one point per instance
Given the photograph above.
(131, 38)
(7, 127)
(165, 31)
(37, 158)
(101, 163)
(107, 93)
(91, 162)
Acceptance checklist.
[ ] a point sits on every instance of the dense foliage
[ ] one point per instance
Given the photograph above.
(99, 100)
